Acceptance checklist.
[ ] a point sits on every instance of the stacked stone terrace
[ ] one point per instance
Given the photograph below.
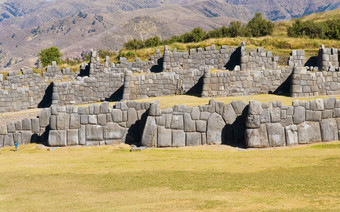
(274, 125)
(206, 72)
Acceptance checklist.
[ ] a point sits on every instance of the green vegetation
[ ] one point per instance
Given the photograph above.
(210, 178)
(256, 27)
(48, 55)
(329, 29)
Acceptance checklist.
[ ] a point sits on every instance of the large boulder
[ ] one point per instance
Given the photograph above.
(178, 138)
(177, 122)
(193, 139)
(189, 124)
(215, 128)
(276, 135)
(149, 137)
(44, 117)
(229, 114)
(309, 132)
(132, 117)
(94, 133)
(257, 138)
(164, 137)
(291, 135)
(113, 131)
(72, 137)
(329, 130)
(299, 115)
(57, 138)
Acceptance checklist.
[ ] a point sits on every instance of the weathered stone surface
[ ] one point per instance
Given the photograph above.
(84, 119)
(117, 115)
(94, 133)
(275, 115)
(214, 129)
(193, 139)
(201, 126)
(178, 138)
(276, 135)
(26, 137)
(82, 135)
(113, 131)
(299, 115)
(164, 137)
(44, 117)
(8, 140)
(309, 132)
(102, 119)
(104, 107)
(11, 127)
(255, 108)
(132, 117)
(57, 138)
(291, 135)
(74, 121)
(330, 103)
(72, 137)
(35, 125)
(253, 121)
(257, 138)
(195, 114)
(238, 106)
(189, 124)
(229, 114)
(3, 130)
(18, 125)
(205, 115)
(177, 122)
(329, 130)
(93, 119)
(61, 121)
(26, 124)
(149, 137)
(160, 120)
(319, 104)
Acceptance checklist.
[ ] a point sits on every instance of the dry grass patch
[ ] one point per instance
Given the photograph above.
(210, 178)
(170, 101)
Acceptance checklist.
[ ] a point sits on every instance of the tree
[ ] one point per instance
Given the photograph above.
(197, 34)
(236, 29)
(48, 55)
(152, 42)
(258, 26)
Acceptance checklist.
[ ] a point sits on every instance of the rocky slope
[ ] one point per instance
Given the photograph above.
(27, 26)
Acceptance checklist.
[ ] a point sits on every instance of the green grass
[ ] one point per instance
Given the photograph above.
(210, 178)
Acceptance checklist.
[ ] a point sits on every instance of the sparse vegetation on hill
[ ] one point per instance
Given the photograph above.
(256, 27)
(329, 29)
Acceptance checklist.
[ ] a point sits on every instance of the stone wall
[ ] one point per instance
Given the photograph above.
(274, 125)
(175, 61)
(328, 59)
(257, 59)
(216, 123)
(160, 84)
(103, 86)
(97, 124)
(239, 83)
(297, 58)
(306, 83)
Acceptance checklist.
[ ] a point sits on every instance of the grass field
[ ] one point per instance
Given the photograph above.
(209, 178)
(170, 101)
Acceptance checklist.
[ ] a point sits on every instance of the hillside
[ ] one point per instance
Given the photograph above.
(29, 26)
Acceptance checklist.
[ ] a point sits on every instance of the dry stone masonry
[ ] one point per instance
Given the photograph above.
(208, 72)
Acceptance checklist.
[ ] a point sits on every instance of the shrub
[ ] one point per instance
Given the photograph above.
(48, 55)
(258, 26)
